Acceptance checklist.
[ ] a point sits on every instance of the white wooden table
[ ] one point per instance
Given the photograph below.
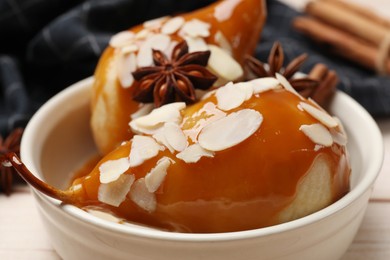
(22, 235)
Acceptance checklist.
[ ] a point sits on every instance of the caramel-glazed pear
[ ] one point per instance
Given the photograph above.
(249, 155)
(230, 29)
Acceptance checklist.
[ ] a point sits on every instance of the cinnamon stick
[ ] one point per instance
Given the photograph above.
(318, 72)
(346, 19)
(343, 43)
(328, 82)
(362, 11)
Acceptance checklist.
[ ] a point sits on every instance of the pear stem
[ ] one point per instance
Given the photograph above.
(12, 160)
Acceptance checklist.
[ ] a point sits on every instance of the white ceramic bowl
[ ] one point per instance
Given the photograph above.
(58, 139)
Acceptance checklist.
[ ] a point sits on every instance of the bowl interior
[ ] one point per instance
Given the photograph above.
(58, 140)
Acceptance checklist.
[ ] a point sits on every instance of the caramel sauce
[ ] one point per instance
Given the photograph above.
(242, 29)
(240, 188)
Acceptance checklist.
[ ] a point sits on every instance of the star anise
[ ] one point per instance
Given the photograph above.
(7, 145)
(255, 68)
(175, 79)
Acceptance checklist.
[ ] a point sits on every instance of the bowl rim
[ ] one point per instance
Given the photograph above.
(136, 230)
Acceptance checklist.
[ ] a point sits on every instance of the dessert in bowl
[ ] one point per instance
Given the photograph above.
(66, 143)
(228, 169)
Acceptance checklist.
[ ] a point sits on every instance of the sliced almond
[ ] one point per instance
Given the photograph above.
(122, 39)
(168, 52)
(159, 136)
(223, 65)
(163, 114)
(172, 25)
(114, 193)
(111, 170)
(223, 42)
(175, 136)
(142, 149)
(143, 110)
(231, 130)
(338, 137)
(143, 34)
(129, 48)
(284, 82)
(320, 115)
(318, 133)
(127, 65)
(156, 176)
(155, 23)
(196, 44)
(230, 97)
(193, 153)
(195, 28)
(246, 88)
(209, 113)
(158, 42)
(140, 195)
(264, 84)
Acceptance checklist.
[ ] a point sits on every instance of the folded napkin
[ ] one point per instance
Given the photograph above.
(49, 44)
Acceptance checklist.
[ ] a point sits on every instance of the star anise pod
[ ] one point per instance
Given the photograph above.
(7, 145)
(255, 68)
(174, 79)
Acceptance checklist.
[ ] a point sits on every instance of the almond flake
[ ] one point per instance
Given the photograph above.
(318, 133)
(264, 84)
(104, 215)
(143, 110)
(320, 115)
(168, 51)
(338, 137)
(223, 42)
(175, 136)
(195, 28)
(114, 193)
(156, 176)
(193, 153)
(155, 23)
(140, 195)
(206, 115)
(173, 25)
(158, 116)
(246, 88)
(157, 42)
(231, 130)
(142, 149)
(222, 64)
(196, 44)
(340, 126)
(159, 136)
(111, 170)
(127, 65)
(230, 97)
(122, 39)
(284, 82)
(129, 49)
(143, 34)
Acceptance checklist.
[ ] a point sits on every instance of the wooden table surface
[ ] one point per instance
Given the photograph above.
(22, 235)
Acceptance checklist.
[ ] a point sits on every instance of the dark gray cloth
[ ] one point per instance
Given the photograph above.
(47, 45)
